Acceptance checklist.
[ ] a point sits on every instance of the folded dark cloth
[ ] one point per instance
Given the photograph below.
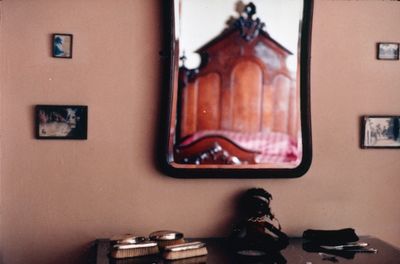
(330, 237)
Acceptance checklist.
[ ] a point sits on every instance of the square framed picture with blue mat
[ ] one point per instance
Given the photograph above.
(62, 45)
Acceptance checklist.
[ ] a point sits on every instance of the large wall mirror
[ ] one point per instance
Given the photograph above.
(239, 88)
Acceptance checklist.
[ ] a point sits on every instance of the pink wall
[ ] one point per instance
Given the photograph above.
(57, 196)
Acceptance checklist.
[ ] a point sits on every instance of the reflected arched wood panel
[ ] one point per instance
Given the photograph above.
(247, 98)
(281, 103)
(208, 102)
(188, 117)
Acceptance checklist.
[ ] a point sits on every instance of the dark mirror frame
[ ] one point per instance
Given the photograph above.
(170, 66)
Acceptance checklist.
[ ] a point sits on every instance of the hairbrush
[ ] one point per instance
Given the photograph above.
(146, 248)
(185, 250)
(167, 238)
(126, 239)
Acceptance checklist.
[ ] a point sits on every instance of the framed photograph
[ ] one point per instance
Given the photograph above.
(62, 46)
(61, 121)
(380, 132)
(388, 51)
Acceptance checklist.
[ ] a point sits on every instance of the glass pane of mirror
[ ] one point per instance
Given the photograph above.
(239, 95)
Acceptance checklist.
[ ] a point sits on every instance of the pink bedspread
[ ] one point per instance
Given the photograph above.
(273, 147)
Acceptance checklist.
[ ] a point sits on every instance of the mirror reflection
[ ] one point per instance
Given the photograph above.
(236, 99)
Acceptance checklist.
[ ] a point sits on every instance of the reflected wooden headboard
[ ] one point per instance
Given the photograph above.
(242, 85)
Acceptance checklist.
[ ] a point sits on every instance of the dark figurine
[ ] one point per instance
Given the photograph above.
(259, 234)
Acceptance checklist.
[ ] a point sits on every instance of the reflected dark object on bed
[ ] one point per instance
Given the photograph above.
(227, 147)
(214, 150)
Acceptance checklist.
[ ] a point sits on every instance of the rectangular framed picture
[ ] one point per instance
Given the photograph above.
(380, 132)
(62, 45)
(388, 51)
(61, 121)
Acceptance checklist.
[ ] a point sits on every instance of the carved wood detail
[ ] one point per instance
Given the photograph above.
(214, 150)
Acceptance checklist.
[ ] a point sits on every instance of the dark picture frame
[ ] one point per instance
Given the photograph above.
(380, 131)
(388, 51)
(62, 45)
(166, 159)
(61, 121)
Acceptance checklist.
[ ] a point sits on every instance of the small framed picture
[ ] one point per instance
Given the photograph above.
(62, 46)
(61, 121)
(388, 51)
(380, 132)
